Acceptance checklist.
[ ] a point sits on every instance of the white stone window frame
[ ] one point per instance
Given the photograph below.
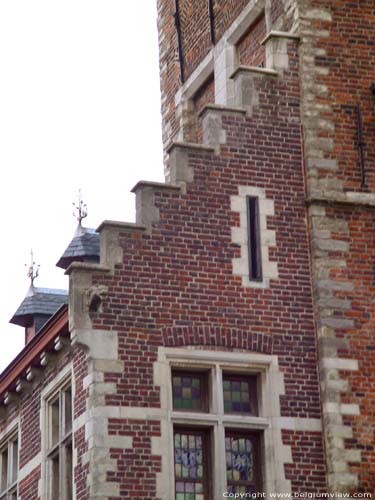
(268, 422)
(240, 236)
(61, 381)
(7, 440)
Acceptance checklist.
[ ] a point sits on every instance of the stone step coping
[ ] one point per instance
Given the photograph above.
(123, 226)
(255, 70)
(190, 145)
(222, 109)
(279, 34)
(345, 198)
(157, 186)
(87, 267)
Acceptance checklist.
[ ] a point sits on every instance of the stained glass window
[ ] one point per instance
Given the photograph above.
(242, 462)
(190, 448)
(239, 394)
(189, 391)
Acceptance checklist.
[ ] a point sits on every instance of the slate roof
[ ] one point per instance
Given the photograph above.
(85, 246)
(39, 301)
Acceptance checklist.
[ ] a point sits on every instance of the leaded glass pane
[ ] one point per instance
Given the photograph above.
(189, 471)
(187, 392)
(240, 459)
(238, 395)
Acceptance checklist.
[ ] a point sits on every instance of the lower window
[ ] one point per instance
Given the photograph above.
(59, 445)
(9, 469)
(242, 462)
(191, 457)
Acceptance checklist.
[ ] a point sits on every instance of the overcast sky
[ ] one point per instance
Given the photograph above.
(79, 109)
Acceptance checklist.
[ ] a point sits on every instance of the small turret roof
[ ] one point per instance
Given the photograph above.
(84, 246)
(43, 301)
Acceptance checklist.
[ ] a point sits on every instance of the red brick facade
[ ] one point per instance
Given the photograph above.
(267, 111)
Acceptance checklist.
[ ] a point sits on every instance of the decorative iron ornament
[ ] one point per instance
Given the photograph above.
(80, 209)
(33, 271)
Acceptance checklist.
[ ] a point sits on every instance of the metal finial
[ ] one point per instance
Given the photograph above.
(33, 271)
(80, 209)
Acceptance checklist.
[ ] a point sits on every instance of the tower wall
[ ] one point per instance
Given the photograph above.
(337, 72)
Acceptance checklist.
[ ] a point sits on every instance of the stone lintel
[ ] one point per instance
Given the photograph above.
(279, 34)
(253, 70)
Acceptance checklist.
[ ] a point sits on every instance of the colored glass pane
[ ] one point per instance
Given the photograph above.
(238, 395)
(187, 392)
(240, 461)
(189, 471)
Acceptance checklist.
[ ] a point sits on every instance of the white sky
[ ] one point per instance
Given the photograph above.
(79, 108)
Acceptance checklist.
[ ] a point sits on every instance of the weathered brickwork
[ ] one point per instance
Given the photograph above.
(308, 469)
(337, 74)
(344, 67)
(358, 340)
(175, 284)
(204, 96)
(195, 28)
(136, 474)
(28, 411)
(226, 11)
(196, 43)
(249, 49)
(28, 488)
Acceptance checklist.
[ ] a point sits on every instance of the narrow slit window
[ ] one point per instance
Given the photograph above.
(255, 257)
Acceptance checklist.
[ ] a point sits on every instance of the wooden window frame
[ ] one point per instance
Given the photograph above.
(256, 439)
(58, 444)
(254, 240)
(253, 387)
(205, 393)
(9, 445)
(205, 432)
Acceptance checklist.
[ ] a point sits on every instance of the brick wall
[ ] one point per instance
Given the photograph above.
(349, 62)
(175, 285)
(196, 43)
(226, 12)
(204, 96)
(250, 51)
(28, 412)
(337, 71)
(137, 478)
(195, 28)
(359, 341)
